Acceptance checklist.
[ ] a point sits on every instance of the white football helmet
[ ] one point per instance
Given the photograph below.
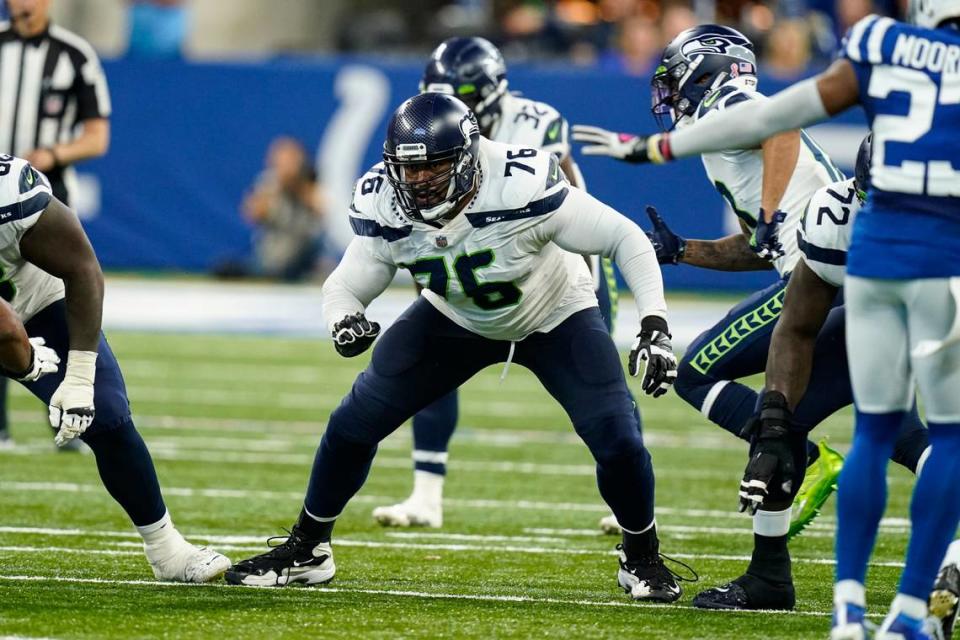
(930, 13)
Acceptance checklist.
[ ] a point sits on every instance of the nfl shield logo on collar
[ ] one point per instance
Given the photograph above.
(441, 241)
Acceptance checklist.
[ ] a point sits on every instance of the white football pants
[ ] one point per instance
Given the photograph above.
(901, 333)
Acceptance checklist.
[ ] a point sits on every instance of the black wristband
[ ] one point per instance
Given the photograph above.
(655, 323)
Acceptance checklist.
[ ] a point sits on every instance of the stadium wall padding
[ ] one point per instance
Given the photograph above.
(188, 140)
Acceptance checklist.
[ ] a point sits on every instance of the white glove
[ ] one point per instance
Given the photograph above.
(44, 360)
(71, 406)
(600, 142)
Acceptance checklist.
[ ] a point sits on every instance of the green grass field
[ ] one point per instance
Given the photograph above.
(233, 423)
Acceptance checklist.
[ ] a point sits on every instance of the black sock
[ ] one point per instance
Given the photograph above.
(641, 545)
(771, 559)
(314, 529)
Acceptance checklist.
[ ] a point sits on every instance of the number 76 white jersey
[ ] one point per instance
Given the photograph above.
(491, 269)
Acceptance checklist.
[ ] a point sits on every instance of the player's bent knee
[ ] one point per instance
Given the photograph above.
(612, 439)
(691, 385)
(352, 425)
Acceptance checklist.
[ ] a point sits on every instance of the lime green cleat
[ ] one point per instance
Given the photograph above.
(818, 483)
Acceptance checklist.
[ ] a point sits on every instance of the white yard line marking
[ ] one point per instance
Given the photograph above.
(317, 592)
(256, 543)
(823, 522)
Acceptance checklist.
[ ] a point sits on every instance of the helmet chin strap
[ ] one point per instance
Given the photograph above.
(446, 210)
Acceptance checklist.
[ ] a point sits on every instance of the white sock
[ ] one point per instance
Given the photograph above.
(158, 533)
(772, 524)
(910, 606)
(849, 591)
(953, 554)
(427, 487)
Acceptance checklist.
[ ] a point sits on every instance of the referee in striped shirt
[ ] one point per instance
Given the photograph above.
(54, 106)
(54, 102)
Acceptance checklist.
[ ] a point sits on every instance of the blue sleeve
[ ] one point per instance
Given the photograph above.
(868, 43)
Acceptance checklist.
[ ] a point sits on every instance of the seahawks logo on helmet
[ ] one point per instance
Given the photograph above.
(712, 44)
(469, 127)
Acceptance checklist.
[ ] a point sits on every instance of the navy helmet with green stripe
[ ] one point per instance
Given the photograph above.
(431, 154)
(473, 70)
(697, 62)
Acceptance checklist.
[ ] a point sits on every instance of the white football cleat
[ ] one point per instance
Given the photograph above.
(410, 513)
(181, 561)
(610, 526)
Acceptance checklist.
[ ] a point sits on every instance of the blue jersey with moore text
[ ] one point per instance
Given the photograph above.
(909, 81)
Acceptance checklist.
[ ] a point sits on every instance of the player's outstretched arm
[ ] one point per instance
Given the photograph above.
(732, 253)
(58, 245)
(806, 305)
(360, 277)
(746, 125)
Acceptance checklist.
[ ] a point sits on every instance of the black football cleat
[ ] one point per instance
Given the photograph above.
(945, 597)
(648, 579)
(750, 593)
(295, 560)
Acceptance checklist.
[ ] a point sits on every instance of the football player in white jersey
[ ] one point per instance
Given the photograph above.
(705, 71)
(474, 70)
(53, 281)
(902, 286)
(487, 230)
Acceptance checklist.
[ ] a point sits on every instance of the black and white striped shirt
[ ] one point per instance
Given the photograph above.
(49, 83)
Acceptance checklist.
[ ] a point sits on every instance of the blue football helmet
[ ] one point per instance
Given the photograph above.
(471, 69)
(861, 173)
(697, 62)
(431, 153)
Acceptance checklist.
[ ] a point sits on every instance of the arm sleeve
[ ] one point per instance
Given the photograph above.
(586, 226)
(360, 277)
(746, 125)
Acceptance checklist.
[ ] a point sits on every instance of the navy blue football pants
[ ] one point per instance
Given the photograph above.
(123, 461)
(423, 356)
(434, 425)
(737, 347)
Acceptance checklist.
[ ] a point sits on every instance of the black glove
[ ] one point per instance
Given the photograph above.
(765, 241)
(653, 347)
(354, 334)
(771, 461)
(668, 245)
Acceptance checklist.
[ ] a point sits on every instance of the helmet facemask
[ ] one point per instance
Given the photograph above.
(428, 188)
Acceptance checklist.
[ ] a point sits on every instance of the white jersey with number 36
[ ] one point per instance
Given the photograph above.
(24, 195)
(531, 124)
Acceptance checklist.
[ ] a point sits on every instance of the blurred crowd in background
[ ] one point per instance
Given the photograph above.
(285, 207)
(616, 35)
